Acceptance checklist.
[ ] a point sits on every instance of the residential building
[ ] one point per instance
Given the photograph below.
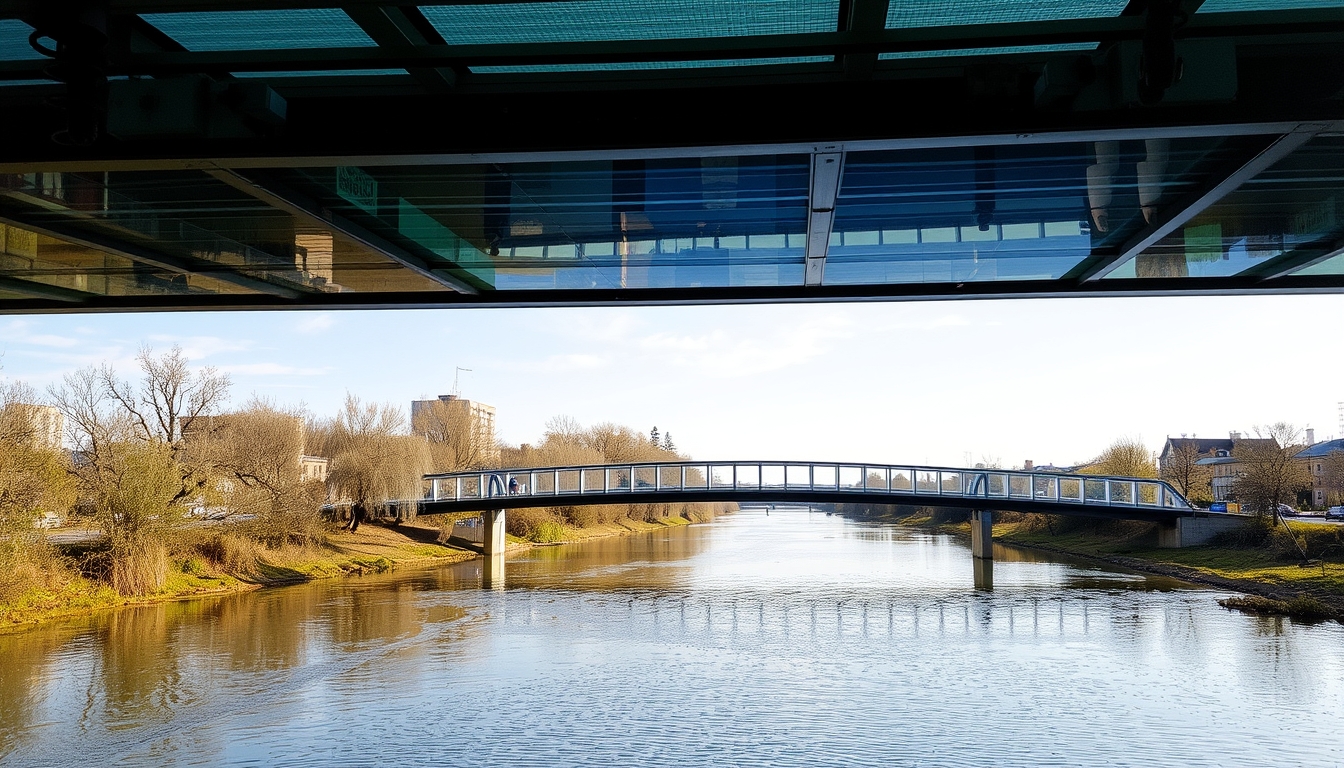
(1315, 457)
(314, 468)
(48, 424)
(1216, 455)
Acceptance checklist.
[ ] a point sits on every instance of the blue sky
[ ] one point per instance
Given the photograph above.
(938, 382)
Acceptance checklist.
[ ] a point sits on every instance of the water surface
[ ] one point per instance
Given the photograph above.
(788, 639)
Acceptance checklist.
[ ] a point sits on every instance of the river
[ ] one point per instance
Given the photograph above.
(788, 639)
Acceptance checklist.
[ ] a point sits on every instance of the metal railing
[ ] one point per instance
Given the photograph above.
(624, 482)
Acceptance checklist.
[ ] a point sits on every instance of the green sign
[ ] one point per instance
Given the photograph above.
(358, 188)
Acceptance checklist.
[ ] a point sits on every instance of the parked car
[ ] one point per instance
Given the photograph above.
(1334, 513)
(1286, 511)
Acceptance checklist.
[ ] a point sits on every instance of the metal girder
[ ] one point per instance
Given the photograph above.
(823, 188)
(864, 16)
(9, 284)
(797, 294)
(1173, 216)
(1249, 24)
(106, 244)
(396, 28)
(1295, 260)
(18, 8)
(296, 204)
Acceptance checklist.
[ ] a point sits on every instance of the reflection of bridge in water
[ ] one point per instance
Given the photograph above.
(980, 490)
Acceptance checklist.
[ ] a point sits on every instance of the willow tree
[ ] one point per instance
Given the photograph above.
(375, 464)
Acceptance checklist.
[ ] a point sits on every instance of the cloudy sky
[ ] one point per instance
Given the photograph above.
(930, 382)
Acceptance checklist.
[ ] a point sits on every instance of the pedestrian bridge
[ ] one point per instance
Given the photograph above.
(748, 481)
(978, 489)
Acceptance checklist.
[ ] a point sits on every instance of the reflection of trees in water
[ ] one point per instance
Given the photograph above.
(263, 630)
(581, 566)
(27, 659)
(140, 675)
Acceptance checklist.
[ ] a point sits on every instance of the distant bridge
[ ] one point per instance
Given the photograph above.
(1127, 498)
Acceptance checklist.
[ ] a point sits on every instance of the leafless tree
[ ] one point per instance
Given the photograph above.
(457, 439)
(1183, 471)
(1271, 474)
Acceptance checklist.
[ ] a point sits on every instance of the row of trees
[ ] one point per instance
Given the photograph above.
(143, 456)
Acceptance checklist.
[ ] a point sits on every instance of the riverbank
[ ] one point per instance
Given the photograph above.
(371, 549)
(1276, 586)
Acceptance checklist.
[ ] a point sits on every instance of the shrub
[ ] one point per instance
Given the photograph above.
(547, 532)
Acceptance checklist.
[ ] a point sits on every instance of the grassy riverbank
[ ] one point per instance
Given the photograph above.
(236, 564)
(1262, 563)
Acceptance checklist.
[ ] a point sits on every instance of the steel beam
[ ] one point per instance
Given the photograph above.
(10, 284)
(116, 247)
(824, 187)
(1173, 216)
(1296, 260)
(396, 28)
(299, 205)
(1249, 24)
(20, 8)
(864, 16)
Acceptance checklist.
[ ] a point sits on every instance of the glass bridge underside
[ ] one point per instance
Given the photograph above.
(181, 154)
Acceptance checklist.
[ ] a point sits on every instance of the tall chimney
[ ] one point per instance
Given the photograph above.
(1027, 465)
(1311, 436)
(1234, 435)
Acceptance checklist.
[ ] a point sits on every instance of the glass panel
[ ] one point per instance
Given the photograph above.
(748, 476)
(1293, 210)
(824, 476)
(189, 216)
(628, 20)
(569, 481)
(1094, 490)
(1222, 6)
(14, 41)
(701, 222)
(851, 477)
(797, 476)
(1000, 213)
(249, 30)
(950, 482)
(669, 477)
(875, 478)
(646, 478)
(901, 480)
(1071, 489)
(926, 482)
(930, 13)
(772, 476)
(1003, 51)
(35, 258)
(1019, 486)
(1121, 492)
(593, 479)
(645, 65)
(697, 476)
(721, 476)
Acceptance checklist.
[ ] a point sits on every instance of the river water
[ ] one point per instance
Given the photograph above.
(788, 639)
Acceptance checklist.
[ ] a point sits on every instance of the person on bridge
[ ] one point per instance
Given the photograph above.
(513, 486)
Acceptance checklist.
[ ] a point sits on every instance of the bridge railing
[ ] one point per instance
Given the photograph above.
(626, 482)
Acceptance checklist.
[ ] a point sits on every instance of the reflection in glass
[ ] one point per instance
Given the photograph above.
(1000, 212)
(1292, 212)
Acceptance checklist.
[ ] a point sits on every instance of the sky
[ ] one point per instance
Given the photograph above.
(945, 383)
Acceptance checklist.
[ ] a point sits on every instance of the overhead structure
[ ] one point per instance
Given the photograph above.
(215, 154)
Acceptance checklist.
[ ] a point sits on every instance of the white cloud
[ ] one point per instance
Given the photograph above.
(315, 322)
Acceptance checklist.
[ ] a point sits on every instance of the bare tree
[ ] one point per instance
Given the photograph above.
(1183, 470)
(1271, 474)
(457, 438)
(374, 463)
(1333, 479)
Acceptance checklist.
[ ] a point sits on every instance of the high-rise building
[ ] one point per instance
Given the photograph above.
(475, 421)
(47, 422)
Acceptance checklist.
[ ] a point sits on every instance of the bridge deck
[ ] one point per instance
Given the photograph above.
(689, 482)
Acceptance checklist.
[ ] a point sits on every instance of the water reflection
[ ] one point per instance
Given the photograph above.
(786, 640)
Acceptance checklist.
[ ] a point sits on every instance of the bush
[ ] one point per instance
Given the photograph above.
(547, 532)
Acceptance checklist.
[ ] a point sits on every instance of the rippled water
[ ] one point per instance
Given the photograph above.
(789, 639)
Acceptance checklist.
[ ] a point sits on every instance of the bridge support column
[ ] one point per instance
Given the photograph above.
(1193, 531)
(982, 534)
(983, 569)
(493, 542)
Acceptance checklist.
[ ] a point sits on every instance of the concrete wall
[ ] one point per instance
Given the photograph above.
(1193, 531)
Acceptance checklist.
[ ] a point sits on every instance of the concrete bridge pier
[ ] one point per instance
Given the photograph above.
(1193, 531)
(983, 569)
(493, 541)
(982, 534)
